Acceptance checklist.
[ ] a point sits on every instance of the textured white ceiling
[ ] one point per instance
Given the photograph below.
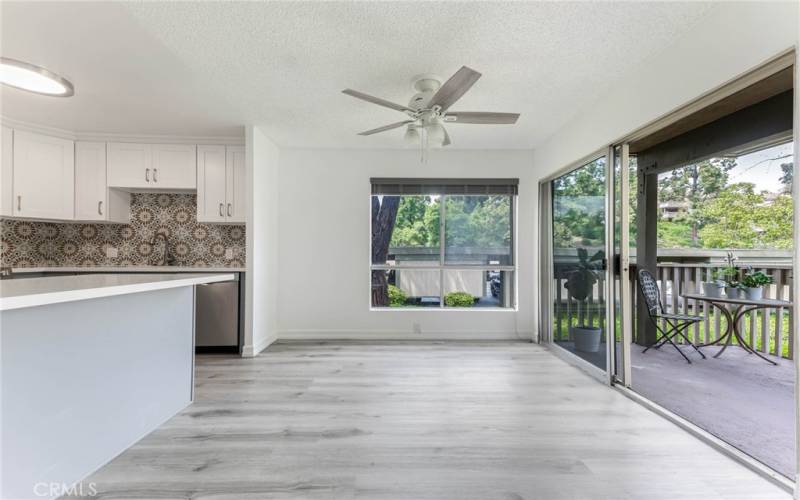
(209, 68)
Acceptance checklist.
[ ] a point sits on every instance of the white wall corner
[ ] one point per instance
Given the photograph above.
(261, 278)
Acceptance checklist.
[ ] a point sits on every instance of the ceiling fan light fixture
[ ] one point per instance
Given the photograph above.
(436, 134)
(412, 135)
(32, 78)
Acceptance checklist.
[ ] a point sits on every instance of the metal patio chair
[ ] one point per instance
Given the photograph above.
(676, 323)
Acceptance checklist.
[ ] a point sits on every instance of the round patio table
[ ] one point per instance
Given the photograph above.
(734, 310)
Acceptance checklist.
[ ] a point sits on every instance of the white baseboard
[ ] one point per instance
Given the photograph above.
(251, 351)
(399, 335)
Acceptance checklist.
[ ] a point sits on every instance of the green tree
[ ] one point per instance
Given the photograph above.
(578, 207)
(775, 222)
(696, 184)
(417, 223)
(732, 218)
(787, 173)
(478, 221)
(675, 234)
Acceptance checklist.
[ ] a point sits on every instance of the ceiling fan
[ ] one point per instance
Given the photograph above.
(429, 109)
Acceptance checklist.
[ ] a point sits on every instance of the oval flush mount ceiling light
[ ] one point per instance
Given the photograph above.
(25, 76)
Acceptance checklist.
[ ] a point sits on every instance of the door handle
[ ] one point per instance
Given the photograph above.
(221, 208)
(147, 175)
(155, 175)
(100, 207)
(229, 210)
(19, 203)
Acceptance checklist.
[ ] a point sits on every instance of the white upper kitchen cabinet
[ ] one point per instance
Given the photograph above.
(129, 165)
(221, 177)
(211, 174)
(43, 177)
(174, 166)
(6, 173)
(152, 167)
(236, 193)
(93, 200)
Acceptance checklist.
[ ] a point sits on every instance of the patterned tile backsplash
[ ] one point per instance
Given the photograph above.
(43, 244)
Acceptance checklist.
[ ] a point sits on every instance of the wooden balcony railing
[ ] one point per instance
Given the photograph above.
(769, 331)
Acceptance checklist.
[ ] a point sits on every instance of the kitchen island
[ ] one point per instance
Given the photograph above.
(89, 365)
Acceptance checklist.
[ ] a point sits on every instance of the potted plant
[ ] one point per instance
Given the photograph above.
(713, 288)
(753, 284)
(729, 277)
(580, 283)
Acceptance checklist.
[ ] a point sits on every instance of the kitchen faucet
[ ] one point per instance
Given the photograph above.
(166, 259)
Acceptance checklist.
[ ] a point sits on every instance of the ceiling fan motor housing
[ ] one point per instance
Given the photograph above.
(420, 100)
(426, 86)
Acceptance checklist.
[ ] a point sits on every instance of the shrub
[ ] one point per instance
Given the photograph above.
(397, 297)
(459, 299)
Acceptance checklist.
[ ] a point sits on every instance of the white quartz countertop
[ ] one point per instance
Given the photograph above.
(31, 292)
(126, 269)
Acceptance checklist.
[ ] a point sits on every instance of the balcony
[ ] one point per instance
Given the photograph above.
(729, 396)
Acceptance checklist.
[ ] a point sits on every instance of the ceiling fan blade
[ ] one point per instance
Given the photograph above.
(446, 141)
(454, 88)
(481, 117)
(386, 127)
(375, 100)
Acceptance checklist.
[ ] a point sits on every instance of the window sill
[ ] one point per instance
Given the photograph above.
(444, 309)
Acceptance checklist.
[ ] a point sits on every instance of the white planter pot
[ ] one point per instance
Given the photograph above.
(587, 339)
(754, 293)
(732, 292)
(711, 289)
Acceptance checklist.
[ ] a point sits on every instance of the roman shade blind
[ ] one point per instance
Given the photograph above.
(401, 186)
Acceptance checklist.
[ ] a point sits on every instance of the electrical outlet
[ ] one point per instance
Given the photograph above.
(229, 253)
(111, 252)
(417, 327)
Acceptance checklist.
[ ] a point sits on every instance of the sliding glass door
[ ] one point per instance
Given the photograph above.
(579, 322)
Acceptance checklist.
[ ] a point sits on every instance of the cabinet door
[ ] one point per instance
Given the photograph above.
(236, 192)
(211, 183)
(6, 169)
(91, 199)
(129, 165)
(44, 176)
(174, 166)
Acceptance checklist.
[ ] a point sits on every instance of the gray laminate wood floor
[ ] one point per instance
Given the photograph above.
(417, 421)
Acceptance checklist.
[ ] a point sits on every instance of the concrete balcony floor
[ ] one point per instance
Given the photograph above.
(738, 397)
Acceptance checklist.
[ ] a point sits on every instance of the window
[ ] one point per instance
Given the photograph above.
(443, 243)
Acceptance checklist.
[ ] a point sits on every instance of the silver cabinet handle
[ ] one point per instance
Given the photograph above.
(19, 203)
(229, 210)
(147, 175)
(221, 213)
(155, 175)
(100, 207)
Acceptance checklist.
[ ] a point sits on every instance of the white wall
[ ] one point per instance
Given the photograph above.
(261, 285)
(732, 39)
(324, 219)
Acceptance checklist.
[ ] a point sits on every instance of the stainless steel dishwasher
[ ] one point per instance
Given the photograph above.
(216, 323)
